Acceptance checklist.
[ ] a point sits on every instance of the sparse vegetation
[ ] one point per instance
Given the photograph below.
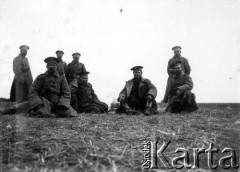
(110, 142)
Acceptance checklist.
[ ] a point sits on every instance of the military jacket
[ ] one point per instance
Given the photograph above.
(145, 88)
(61, 66)
(73, 69)
(53, 87)
(183, 83)
(184, 61)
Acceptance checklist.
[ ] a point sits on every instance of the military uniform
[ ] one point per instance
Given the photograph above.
(171, 62)
(22, 80)
(135, 93)
(87, 101)
(185, 101)
(73, 69)
(51, 91)
(61, 67)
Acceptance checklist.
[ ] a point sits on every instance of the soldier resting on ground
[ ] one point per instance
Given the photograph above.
(180, 97)
(138, 95)
(49, 94)
(85, 99)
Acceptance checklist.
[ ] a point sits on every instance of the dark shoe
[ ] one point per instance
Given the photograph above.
(147, 112)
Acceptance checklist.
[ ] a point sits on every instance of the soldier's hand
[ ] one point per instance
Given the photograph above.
(121, 98)
(150, 97)
(178, 92)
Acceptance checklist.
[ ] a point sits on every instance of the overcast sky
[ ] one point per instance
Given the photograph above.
(111, 41)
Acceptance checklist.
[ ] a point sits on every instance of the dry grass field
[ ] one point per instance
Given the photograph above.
(110, 142)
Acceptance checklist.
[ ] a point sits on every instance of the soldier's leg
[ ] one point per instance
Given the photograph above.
(23, 107)
(43, 110)
(124, 107)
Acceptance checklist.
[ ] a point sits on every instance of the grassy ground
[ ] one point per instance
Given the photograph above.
(110, 142)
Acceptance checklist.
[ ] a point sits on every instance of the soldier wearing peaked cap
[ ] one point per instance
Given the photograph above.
(23, 77)
(85, 99)
(74, 69)
(61, 64)
(138, 95)
(180, 97)
(186, 67)
(50, 93)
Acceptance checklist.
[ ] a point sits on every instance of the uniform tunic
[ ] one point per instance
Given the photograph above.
(22, 79)
(186, 100)
(50, 90)
(135, 93)
(86, 99)
(61, 66)
(73, 69)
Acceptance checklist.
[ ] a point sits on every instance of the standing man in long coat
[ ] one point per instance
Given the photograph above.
(23, 76)
(74, 69)
(180, 97)
(85, 99)
(61, 66)
(138, 95)
(186, 67)
(50, 94)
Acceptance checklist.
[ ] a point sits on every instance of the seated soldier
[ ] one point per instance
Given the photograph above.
(49, 94)
(85, 100)
(180, 97)
(138, 95)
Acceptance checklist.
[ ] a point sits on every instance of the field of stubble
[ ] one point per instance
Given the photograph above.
(110, 142)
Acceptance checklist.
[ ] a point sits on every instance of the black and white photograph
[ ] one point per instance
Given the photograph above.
(119, 85)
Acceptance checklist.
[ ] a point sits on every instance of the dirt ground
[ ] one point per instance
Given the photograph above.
(110, 142)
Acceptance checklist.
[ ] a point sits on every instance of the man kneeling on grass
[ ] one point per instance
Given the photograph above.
(84, 98)
(49, 94)
(180, 97)
(138, 95)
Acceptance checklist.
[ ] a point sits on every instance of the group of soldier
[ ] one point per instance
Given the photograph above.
(63, 90)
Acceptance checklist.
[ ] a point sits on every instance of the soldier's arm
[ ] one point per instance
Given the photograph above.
(67, 72)
(152, 90)
(83, 68)
(65, 97)
(188, 85)
(168, 67)
(123, 93)
(33, 96)
(187, 67)
(17, 66)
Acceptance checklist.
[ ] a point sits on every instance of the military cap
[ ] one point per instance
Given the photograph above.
(136, 68)
(58, 51)
(51, 60)
(176, 48)
(76, 54)
(24, 47)
(84, 73)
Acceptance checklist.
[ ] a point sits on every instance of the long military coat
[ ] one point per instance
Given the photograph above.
(73, 69)
(54, 88)
(184, 61)
(86, 98)
(145, 88)
(22, 80)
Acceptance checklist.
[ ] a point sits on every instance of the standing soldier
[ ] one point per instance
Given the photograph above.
(61, 65)
(23, 76)
(180, 97)
(85, 99)
(138, 95)
(186, 67)
(49, 94)
(74, 69)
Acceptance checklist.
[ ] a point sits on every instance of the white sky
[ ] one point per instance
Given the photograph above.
(111, 42)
